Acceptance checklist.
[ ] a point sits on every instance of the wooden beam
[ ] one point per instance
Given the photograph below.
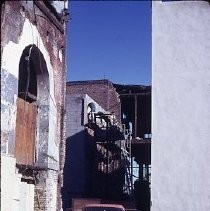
(50, 16)
(134, 94)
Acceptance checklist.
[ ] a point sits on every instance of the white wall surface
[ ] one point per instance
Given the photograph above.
(26, 197)
(180, 106)
(74, 105)
(60, 5)
(15, 195)
(7, 181)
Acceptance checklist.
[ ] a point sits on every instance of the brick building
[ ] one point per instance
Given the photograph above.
(88, 127)
(33, 71)
(102, 91)
(94, 167)
(107, 173)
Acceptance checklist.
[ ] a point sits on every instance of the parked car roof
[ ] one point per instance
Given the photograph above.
(101, 206)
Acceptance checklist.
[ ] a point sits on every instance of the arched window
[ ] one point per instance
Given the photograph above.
(91, 109)
(27, 84)
(32, 120)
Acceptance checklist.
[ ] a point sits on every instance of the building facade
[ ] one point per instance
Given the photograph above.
(92, 169)
(106, 155)
(180, 105)
(33, 75)
(102, 91)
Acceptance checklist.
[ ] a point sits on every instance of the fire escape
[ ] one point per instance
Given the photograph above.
(114, 147)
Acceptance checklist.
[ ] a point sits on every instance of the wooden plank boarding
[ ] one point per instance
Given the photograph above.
(25, 132)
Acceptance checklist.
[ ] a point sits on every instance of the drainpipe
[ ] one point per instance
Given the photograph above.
(135, 98)
(62, 147)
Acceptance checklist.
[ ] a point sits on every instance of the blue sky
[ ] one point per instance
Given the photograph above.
(110, 39)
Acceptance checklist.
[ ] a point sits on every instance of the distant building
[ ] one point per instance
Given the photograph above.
(102, 91)
(180, 105)
(136, 108)
(93, 166)
(33, 44)
(136, 112)
(99, 162)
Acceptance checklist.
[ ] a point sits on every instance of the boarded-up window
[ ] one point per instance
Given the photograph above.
(25, 132)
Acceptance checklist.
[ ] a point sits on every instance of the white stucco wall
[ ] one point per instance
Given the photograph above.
(180, 106)
(7, 181)
(60, 5)
(15, 195)
(74, 112)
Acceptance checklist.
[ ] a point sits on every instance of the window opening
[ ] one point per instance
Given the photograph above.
(32, 121)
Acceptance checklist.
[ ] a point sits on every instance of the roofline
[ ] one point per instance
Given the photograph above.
(103, 81)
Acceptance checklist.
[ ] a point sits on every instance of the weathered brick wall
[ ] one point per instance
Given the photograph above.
(14, 16)
(51, 190)
(45, 194)
(40, 192)
(24, 23)
(102, 91)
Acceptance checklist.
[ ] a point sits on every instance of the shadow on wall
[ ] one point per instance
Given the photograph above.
(83, 175)
(111, 133)
(142, 195)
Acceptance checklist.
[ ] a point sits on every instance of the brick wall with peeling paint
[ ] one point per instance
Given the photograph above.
(25, 23)
(102, 91)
